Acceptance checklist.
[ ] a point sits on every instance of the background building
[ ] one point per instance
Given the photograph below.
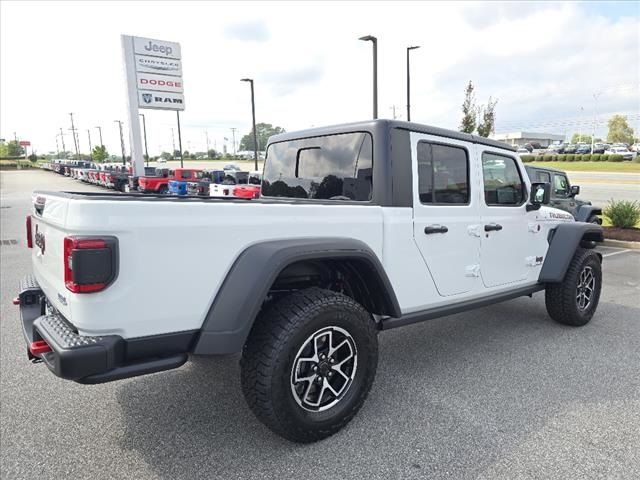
(520, 138)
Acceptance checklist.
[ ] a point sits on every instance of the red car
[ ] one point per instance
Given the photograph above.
(161, 184)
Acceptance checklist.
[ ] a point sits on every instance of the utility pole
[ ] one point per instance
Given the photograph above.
(75, 140)
(180, 139)
(233, 134)
(173, 142)
(374, 41)
(57, 147)
(144, 129)
(124, 157)
(90, 149)
(595, 115)
(64, 149)
(206, 135)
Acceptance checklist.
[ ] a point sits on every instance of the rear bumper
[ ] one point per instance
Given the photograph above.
(95, 359)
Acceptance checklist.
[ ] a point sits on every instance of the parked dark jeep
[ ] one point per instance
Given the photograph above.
(563, 194)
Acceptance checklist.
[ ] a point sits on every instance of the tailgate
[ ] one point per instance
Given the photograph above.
(48, 216)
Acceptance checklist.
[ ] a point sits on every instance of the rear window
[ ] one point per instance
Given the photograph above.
(332, 167)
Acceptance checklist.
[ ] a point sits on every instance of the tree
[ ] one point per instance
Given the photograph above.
(177, 154)
(99, 153)
(580, 138)
(166, 156)
(33, 158)
(12, 149)
(619, 130)
(469, 109)
(263, 131)
(211, 153)
(488, 120)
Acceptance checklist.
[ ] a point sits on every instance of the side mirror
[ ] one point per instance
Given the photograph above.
(575, 190)
(540, 195)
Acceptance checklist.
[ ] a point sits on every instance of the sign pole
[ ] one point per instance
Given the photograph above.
(180, 140)
(135, 135)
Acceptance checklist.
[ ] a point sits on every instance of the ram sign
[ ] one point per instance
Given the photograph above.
(160, 100)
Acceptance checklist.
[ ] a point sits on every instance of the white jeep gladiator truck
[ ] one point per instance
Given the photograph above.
(360, 228)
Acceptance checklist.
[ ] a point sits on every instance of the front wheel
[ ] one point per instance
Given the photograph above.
(309, 364)
(574, 300)
(595, 219)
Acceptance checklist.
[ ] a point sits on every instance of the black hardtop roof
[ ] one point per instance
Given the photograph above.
(370, 125)
(548, 169)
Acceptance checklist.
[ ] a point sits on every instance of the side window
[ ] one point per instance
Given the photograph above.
(185, 174)
(544, 177)
(503, 184)
(560, 186)
(443, 174)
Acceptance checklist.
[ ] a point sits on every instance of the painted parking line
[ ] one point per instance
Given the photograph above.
(616, 253)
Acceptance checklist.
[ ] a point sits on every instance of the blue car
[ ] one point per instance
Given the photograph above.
(178, 187)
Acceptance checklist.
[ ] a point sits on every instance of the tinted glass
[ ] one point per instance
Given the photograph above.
(334, 167)
(443, 174)
(560, 185)
(502, 182)
(539, 176)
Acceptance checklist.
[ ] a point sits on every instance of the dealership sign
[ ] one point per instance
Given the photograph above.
(153, 72)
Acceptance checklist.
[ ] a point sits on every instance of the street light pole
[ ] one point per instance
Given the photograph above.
(253, 113)
(409, 83)
(144, 129)
(233, 135)
(374, 41)
(124, 158)
(100, 133)
(180, 139)
(595, 114)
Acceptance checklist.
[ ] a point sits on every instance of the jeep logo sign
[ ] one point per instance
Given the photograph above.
(156, 48)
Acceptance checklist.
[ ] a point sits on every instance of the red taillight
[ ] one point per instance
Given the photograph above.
(96, 245)
(39, 347)
(29, 239)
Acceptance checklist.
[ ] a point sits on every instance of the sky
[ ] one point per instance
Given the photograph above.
(556, 67)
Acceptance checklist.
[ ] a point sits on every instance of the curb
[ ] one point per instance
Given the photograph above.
(621, 244)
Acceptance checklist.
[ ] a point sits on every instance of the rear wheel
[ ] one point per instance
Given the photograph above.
(309, 364)
(574, 300)
(163, 189)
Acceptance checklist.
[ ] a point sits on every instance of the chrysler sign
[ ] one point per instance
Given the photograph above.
(165, 66)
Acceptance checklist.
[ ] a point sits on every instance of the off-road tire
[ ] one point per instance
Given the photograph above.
(560, 298)
(595, 219)
(163, 190)
(273, 346)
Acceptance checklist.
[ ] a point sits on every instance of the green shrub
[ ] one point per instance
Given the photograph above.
(586, 157)
(596, 157)
(637, 159)
(623, 213)
(547, 158)
(605, 157)
(616, 158)
(561, 158)
(527, 158)
(571, 157)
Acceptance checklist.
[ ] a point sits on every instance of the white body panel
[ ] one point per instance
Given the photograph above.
(173, 257)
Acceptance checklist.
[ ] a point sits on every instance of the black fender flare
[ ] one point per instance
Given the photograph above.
(586, 211)
(243, 291)
(564, 240)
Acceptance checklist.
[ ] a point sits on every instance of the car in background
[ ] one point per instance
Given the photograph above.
(624, 151)
(523, 151)
(556, 147)
(563, 194)
(570, 148)
(599, 148)
(583, 148)
(635, 147)
(201, 187)
(133, 184)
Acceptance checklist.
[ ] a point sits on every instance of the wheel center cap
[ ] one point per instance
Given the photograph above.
(323, 368)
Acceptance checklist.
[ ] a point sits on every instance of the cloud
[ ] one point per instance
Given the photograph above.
(254, 31)
(289, 81)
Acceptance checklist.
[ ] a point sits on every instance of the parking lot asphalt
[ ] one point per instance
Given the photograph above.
(498, 393)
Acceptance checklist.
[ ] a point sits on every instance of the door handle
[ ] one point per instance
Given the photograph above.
(428, 230)
(492, 227)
